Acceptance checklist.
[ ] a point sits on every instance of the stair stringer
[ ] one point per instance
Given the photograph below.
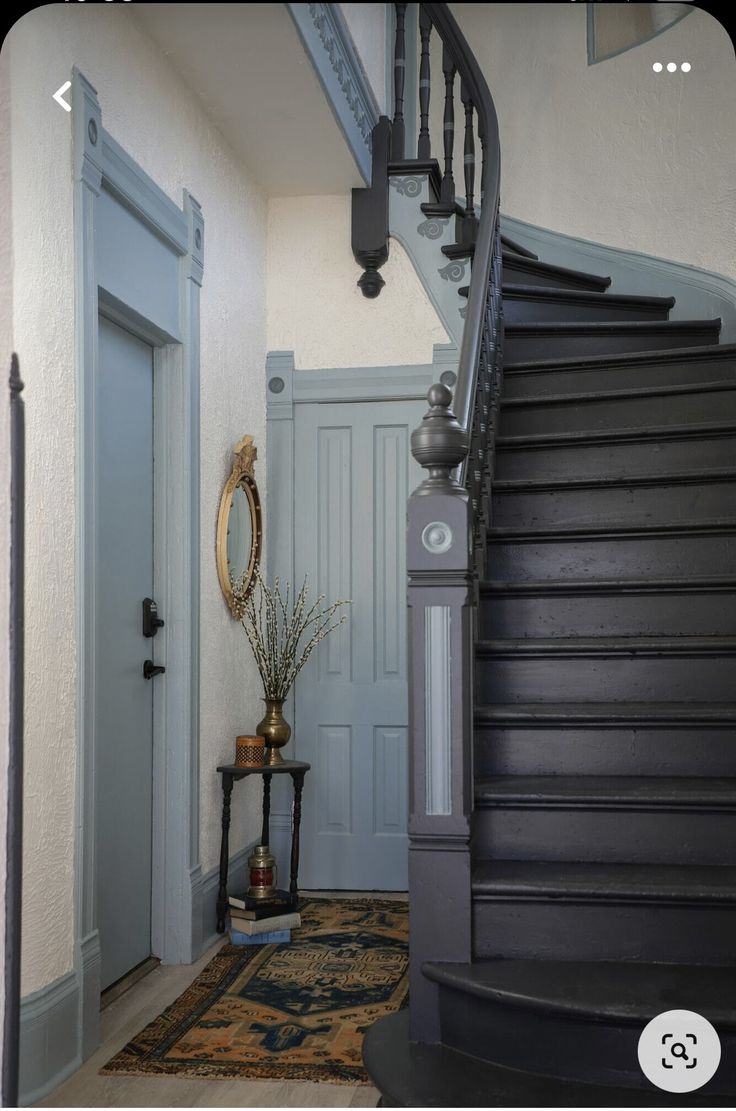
(422, 238)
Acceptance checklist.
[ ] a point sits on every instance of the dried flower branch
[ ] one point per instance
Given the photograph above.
(281, 636)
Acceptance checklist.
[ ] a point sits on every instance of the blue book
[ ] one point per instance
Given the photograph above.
(275, 937)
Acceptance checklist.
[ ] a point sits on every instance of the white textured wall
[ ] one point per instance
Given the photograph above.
(613, 152)
(367, 26)
(315, 307)
(150, 111)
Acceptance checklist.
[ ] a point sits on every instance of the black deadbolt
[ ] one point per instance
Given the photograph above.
(151, 620)
(150, 669)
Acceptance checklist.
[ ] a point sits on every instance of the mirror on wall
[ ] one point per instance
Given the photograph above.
(239, 523)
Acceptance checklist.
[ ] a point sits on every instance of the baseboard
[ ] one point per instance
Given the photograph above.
(204, 899)
(699, 294)
(50, 1037)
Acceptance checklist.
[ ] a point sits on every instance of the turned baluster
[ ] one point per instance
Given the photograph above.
(424, 146)
(447, 193)
(397, 137)
(470, 223)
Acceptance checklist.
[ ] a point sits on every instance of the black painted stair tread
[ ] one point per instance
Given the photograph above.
(720, 527)
(410, 1074)
(607, 646)
(704, 884)
(545, 587)
(415, 167)
(705, 353)
(607, 714)
(678, 478)
(546, 303)
(536, 272)
(516, 248)
(610, 792)
(534, 268)
(593, 328)
(594, 991)
(616, 435)
(618, 395)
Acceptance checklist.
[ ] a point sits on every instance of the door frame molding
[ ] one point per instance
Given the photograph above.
(286, 388)
(101, 165)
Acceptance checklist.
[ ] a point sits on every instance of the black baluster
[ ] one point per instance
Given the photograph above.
(483, 164)
(397, 137)
(424, 146)
(470, 222)
(447, 194)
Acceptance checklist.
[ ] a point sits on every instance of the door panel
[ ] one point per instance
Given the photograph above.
(354, 472)
(124, 704)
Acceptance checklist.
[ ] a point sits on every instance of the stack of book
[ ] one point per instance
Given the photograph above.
(262, 921)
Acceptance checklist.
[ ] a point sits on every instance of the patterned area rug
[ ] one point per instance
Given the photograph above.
(285, 1012)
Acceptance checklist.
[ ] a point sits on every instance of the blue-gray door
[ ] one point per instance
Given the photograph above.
(354, 472)
(123, 711)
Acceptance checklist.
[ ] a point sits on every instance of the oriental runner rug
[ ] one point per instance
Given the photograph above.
(285, 1012)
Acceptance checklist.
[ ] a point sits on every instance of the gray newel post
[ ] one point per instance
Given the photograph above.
(440, 627)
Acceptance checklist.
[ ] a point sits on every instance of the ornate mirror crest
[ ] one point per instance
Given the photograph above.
(239, 533)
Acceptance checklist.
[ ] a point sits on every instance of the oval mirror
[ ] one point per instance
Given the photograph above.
(239, 523)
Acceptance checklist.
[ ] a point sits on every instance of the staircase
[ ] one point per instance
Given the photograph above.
(578, 875)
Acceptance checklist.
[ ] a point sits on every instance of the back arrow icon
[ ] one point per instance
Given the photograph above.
(59, 96)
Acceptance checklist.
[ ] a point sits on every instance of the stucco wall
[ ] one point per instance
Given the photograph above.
(613, 152)
(367, 26)
(315, 307)
(150, 111)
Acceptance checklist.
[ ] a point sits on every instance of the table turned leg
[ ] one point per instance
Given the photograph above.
(298, 778)
(227, 790)
(266, 808)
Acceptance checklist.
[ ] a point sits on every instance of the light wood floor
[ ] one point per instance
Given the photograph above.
(126, 1016)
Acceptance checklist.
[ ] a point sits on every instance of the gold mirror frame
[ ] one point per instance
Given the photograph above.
(241, 477)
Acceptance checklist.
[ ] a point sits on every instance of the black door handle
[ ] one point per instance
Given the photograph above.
(150, 669)
(151, 621)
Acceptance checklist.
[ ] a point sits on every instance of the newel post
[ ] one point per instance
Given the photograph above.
(440, 627)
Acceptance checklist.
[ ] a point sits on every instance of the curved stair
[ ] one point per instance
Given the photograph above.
(603, 835)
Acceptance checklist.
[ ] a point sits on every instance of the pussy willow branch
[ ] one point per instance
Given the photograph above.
(275, 632)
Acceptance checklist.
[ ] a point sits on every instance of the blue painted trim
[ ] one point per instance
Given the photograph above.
(204, 899)
(590, 37)
(99, 164)
(331, 50)
(700, 294)
(49, 1037)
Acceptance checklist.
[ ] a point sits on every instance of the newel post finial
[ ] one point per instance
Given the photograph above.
(439, 444)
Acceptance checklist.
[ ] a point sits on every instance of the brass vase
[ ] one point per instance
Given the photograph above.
(274, 730)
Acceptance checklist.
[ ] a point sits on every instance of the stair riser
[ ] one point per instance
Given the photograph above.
(607, 558)
(519, 347)
(553, 930)
(662, 614)
(618, 506)
(595, 460)
(517, 271)
(572, 750)
(605, 836)
(528, 310)
(618, 413)
(622, 378)
(638, 679)
(552, 1044)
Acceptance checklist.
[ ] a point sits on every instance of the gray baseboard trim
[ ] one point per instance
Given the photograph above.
(50, 1037)
(699, 294)
(89, 965)
(204, 899)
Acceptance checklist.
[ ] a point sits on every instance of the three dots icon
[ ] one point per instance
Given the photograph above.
(672, 67)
